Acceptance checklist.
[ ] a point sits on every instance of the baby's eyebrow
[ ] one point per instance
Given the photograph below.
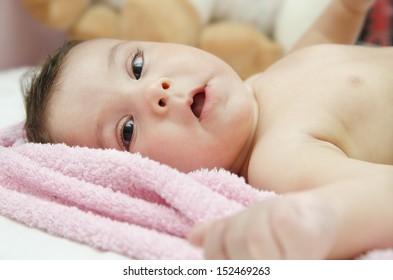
(112, 55)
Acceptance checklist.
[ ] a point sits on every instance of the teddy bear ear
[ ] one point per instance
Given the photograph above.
(175, 21)
(99, 21)
(59, 14)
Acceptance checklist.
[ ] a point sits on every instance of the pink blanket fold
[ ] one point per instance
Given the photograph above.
(116, 201)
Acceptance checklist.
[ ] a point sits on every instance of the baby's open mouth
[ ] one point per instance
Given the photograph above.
(197, 104)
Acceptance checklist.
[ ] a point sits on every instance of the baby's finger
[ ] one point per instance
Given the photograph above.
(234, 239)
(213, 242)
(260, 241)
(196, 235)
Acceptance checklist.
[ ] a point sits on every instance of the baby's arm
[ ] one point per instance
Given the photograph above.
(340, 219)
(340, 23)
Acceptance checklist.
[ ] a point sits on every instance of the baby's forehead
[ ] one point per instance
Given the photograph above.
(95, 44)
(85, 52)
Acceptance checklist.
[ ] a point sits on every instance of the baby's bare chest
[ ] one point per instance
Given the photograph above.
(349, 105)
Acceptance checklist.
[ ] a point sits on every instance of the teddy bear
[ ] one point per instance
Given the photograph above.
(249, 35)
(123, 19)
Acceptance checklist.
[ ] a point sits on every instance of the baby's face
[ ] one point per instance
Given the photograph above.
(172, 103)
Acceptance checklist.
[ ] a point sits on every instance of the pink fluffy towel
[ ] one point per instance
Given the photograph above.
(116, 201)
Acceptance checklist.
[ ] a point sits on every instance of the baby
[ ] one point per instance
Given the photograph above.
(317, 127)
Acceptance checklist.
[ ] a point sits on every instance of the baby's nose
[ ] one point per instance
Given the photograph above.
(159, 96)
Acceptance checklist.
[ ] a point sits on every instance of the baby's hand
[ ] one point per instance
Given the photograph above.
(358, 6)
(292, 227)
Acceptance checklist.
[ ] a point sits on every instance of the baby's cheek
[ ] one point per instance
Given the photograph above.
(162, 150)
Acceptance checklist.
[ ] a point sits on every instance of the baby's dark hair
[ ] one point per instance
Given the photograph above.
(38, 91)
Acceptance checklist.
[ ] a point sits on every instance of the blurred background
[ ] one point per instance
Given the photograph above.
(23, 41)
(31, 29)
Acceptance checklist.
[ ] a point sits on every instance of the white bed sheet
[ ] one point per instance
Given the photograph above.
(18, 241)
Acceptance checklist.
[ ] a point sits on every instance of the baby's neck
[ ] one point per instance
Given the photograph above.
(240, 166)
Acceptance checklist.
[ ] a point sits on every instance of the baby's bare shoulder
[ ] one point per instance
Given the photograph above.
(326, 55)
(289, 161)
(294, 161)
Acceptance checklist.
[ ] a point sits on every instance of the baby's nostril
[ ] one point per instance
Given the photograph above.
(162, 103)
(165, 85)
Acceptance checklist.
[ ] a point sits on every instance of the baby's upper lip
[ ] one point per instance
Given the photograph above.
(197, 101)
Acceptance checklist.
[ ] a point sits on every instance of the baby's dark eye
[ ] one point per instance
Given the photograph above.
(137, 64)
(127, 133)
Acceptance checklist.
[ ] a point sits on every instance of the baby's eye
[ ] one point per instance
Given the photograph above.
(137, 64)
(127, 133)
